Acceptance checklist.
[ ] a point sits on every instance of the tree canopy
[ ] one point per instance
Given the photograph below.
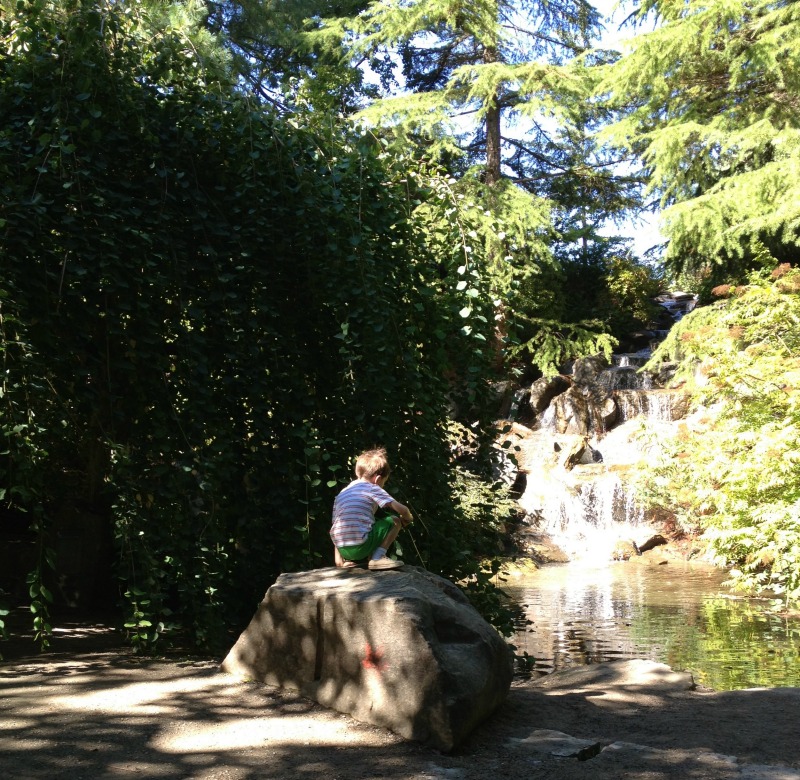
(708, 100)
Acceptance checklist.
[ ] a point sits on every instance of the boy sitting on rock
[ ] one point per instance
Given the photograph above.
(356, 533)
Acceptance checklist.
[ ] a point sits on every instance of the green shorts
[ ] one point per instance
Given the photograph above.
(372, 542)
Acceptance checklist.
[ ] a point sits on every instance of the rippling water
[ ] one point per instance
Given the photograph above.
(678, 614)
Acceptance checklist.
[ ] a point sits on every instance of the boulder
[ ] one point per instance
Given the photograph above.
(572, 413)
(400, 649)
(654, 541)
(573, 453)
(583, 412)
(544, 390)
(585, 371)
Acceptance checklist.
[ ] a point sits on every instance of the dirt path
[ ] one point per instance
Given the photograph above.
(107, 714)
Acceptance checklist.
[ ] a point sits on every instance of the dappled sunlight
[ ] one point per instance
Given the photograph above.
(18, 745)
(257, 732)
(142, 698)
(140, 718)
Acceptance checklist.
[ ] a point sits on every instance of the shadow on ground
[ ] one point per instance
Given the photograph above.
(91, 709)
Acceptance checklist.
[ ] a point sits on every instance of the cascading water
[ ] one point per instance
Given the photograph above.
(628, 359)
(588, 434)
(655, 405)
(591, 516)
(624, 376)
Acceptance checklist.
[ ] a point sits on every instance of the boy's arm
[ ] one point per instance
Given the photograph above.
(403, 511)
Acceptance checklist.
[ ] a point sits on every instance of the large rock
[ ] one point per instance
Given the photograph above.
(585, 371)
(544, 390)
(584, 411)
(400, 649)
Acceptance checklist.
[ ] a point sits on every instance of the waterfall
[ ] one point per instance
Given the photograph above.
(547, 420)
(591, 429)
(655, 405)
(591, 516)
(581, 434)
(625, 378)
(634, 359)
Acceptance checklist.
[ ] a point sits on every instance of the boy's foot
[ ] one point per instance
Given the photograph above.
(347, 564)
(384, 563)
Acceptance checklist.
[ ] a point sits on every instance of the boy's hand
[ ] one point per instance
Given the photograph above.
(406, 521)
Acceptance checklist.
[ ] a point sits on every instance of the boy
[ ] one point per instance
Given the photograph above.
(356, 533)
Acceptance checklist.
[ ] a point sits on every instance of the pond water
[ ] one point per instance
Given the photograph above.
(678, 614)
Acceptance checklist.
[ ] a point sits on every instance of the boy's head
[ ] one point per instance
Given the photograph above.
(373, 463)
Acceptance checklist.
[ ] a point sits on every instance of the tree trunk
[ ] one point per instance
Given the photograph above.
(492, 129)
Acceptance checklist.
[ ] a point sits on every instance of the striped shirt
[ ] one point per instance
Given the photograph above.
(354, 512)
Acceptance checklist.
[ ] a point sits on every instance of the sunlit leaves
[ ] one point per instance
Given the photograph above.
(733, 470)
(709, 103)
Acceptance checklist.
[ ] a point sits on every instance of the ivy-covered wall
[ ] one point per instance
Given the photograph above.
(206, 313)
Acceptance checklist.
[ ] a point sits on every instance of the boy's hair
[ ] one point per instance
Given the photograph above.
(372, 463)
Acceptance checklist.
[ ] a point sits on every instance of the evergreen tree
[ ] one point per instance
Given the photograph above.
(586, 182)
(273, 61)
(466, 66)
(487, 92)
(710, 101)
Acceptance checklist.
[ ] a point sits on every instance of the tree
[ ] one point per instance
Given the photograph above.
(709, 102)
(486, 61)
(586, 181)
(487, 93)
(274, 62)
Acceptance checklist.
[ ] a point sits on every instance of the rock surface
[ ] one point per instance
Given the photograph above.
(399, 649)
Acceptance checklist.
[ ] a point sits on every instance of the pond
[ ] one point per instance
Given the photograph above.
(677, 613)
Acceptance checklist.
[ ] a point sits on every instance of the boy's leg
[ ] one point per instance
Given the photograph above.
(388, 540)
(384, 531)
(379, 559)
(341, 563)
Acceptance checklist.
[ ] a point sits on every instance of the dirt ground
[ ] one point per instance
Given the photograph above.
(90, 709)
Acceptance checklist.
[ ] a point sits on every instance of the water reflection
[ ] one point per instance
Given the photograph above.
(678, 614)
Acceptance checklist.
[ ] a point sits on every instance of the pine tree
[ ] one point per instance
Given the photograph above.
(712, 107)
(280, 64)
(471, 70)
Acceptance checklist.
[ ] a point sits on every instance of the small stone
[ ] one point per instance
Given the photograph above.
(557, 743)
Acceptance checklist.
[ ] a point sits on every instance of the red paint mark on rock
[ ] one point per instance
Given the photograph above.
(373, 658)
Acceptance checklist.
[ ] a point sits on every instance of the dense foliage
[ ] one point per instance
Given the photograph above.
(732, 472)
(708, 100)
(205, 314)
